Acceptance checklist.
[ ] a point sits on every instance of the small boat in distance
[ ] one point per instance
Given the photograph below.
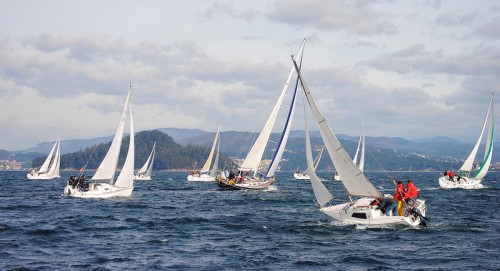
(206, 174)
(464, 179)
(124, 184)
(144, 174)
(301, 175)
(51, 166)
(361, 146)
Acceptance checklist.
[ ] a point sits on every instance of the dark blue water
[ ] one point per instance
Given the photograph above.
(170, 223)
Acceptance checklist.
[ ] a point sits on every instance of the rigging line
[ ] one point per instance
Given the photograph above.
(383, 169)
(88, 160)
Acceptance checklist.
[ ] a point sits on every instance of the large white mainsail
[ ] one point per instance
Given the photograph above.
(126, 177)
(485, 164)
(45, 166)
(107, 168)
(253, 159)
(355, 182)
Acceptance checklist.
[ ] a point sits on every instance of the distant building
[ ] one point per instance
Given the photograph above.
(10, 165)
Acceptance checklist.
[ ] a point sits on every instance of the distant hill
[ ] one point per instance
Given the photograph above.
(397, 153)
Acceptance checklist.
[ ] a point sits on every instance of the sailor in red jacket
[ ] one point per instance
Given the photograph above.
(411, 192)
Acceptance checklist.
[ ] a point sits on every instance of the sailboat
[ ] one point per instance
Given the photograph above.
(205, 174)
(124, 184)
(301, 175)
(361, 147)
(248, 176)
(467, 178)
(144, 174)
(360, 190)
(51, 166)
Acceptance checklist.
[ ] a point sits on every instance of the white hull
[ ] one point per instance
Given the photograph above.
(254, 184)
(360, 213)
(37, 176)
(301, 176)
(142, 178)
(200, 178)
(464, 182)
(99, 190)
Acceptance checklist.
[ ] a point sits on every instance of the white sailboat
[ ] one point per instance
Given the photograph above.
(466, 178)
(205, 174)
(248, 176)
(144, 174)
(51, 166)
(301, 175)
(361, 147)
(360, 190)
(124, 184)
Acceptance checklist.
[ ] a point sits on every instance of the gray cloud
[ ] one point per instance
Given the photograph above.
(353, 16)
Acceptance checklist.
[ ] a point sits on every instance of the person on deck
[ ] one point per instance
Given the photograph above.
(451, 175)
(411, 193)
(400, 192)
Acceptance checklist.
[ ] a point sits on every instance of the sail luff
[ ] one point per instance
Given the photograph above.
(254, 156)
(286, 129)
(353, 179)
(107, 168)
(126, 177)
(207, 164)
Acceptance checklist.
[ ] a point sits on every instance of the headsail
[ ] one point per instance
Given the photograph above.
(56, 162)
(288, 124)
(46, 163)
(469, 162)
(252, 161)
(147, 168)
(213, 172)
(126, 177)
(107, 168)
(323, 196)
(206, 167)
(353, 179)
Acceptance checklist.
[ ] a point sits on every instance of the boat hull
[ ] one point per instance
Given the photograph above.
(98, 190)
(361, 213)
(37, 176)
(247, 184)
(301, 176)
(200, 178)
(462, 182)
(142, 178)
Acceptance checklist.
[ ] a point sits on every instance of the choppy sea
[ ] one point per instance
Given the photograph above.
(172, 224)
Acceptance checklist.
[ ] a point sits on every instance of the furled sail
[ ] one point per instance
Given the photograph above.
(355, 182)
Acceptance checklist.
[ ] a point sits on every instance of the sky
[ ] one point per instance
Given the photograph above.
(412, 69)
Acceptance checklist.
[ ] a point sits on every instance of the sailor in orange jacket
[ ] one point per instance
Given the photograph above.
(400, 192)
(411, 192)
